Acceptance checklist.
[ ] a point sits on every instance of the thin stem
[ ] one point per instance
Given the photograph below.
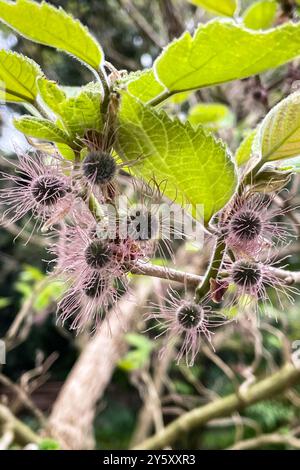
(95, 208)
(212, 270)
(106, 90)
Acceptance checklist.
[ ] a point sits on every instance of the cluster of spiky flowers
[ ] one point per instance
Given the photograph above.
(73, 202)
(253, 231)
(248, 229)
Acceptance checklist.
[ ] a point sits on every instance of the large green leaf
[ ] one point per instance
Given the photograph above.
(80, 112)
(41, 129)
(18, 76)
(221, 51)
(197, 167)
(279, 133)
(260, 15)
(144, 86)
(220, 7)
(53, 27)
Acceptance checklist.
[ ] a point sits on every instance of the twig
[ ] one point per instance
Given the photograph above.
(148, 269)
(24, 398)
(265, 440)
(23, 433)
(266, 388)
(27, 306)
(141, 23)
(193, 280)
(212, 271)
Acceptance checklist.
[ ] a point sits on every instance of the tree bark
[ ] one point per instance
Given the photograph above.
(72, 417)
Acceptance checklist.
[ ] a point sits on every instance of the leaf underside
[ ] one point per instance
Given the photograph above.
(197, 168)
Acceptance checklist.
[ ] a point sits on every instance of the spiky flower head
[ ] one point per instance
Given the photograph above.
(86, 304)
(39, 186)
(251, 284)
(99, 167)
(185, 321)
(251, 224)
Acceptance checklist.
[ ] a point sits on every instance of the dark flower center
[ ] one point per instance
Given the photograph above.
(47, 190)
(97, 254)
(246, 225)
(190, 315)
(95, 287)
(99, 167)
(142, 225)
(246, 274)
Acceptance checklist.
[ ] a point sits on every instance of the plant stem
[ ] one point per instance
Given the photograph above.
(148, 269)
(106, 90)
(95, 208)
(160, 98)
(212, 270)
(277, 383)
(23, 434)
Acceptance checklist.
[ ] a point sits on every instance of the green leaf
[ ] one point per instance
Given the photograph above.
(244, 151)
(51, 93)
(260, 15)
(83, 111)
(80, 112)
(198, 168)
(136, 358)
(221, 51)
(4, 302)
(18, 76)
(211, 115)
(41, 129)
(278, 137)
(49, 444)
(223, 7)
(145, 86)
(45, 24)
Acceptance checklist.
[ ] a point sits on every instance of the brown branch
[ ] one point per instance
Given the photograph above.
(192, 280)
(148, 269)
(24, 398)
(266, 388)
(266, 440)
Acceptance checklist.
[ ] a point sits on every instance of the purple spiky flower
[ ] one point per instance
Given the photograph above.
(39, 186)
(248, 283)
(251, 224)
(87, 302)
(186, 320)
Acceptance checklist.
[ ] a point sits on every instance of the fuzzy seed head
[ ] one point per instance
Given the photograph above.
(246, 225)
(95, 287)
(47, 190)
(246, 274)
(190, 315)
(97, 254)
(99, 167)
